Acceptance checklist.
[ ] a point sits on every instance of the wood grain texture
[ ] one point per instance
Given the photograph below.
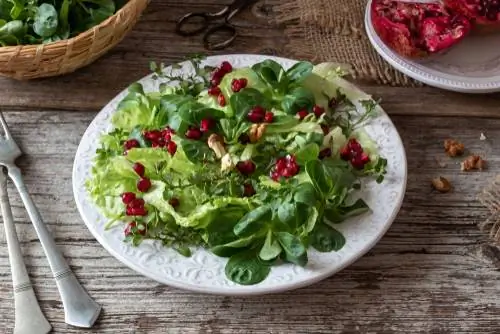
(433, 272)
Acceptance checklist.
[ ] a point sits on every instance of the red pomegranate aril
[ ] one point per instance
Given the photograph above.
(171, 147)
(325, 153)
(275, 175)
(246, 167)
(167, 137)
(243, 83)
(302, 114)
(255, 117)
(131, 143)
(136, 203)
(152, 135)
(280, 165)
(268, 117)
(193, 133)
(318, 110)
(248, 190)
(206, 124)
(128, 197)
(214, 91)
(128, 229)
(345, 153)
(155, 145)
(221, 100)
(287, 172)
(354, 145)
(174, 202)
(143, 185)
(141, 211)
(357, 163)
(236, 85)
(139, 168)
(226, 67)
(365, 158)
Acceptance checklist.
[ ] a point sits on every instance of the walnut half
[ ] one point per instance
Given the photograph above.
(441, 184)
(453, 147)
(473, 162)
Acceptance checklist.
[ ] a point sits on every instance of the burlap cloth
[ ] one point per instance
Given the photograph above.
(333, 30)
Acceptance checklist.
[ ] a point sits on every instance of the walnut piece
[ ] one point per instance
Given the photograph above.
(256, 132)
(473, 162)
(441, 184)
(453, 147)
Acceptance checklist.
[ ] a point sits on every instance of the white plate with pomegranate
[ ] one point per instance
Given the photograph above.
(449, 44)
(268, 210)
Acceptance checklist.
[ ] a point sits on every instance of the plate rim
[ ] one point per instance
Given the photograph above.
(452, 83)
(215, 290)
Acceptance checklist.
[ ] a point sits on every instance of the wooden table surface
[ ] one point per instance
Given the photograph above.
(433, 272)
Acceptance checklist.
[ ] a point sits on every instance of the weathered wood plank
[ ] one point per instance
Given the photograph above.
(433, 272)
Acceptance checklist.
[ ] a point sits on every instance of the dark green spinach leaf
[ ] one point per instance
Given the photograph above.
(246, 268)
(253, 221)
(326, 239)
(295, 252)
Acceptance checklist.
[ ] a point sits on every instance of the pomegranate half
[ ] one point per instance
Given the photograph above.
(484, 14)
(417, 30)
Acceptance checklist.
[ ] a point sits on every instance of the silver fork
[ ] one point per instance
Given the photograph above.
(29, 317)
(79, 308)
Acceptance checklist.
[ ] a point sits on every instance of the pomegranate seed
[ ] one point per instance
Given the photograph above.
(325, 153)
(136, 203)
(268, 117)
(193, 133)
(357, 163)
(354, 145)
(128, 229)
(246, 167)
(128, 197)
(244, 139)
(221, 100)
(243, 82)
(365, 158)
(275, 175)
(235, 85)
(206, 124)
(131, 143)
(254, 118)
(155, 145)
(136, 211)
(143, 185)
(167, 137)
(214, 91)
(226, 67)
(216, 77)
(325, 129)
(174, 202)
(248, 190)
(302, 114)
(169, 131)
(171, 147)
(153, 135)
(258, 110)
(318, 110)
(280, 165)
(139, 168)
(345, 153)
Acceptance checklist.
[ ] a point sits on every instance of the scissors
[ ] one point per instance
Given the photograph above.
(226, 14)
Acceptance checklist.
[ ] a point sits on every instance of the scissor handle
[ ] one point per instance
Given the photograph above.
(219, 28)
(189, 17)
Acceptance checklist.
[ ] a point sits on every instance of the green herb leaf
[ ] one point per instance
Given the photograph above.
(299, 71)
(320, 180)
(298, 99)
(273, 74)
(326, 239)
(46, 20)
(271, 248)
(253, 221)
(246, 268)
(196, 151)
(244, 101)
(306, 194)
(340, 214)
(295, 252)
(307, 153)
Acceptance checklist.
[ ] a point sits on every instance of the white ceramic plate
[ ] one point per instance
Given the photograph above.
(204, 272)
(472, 66)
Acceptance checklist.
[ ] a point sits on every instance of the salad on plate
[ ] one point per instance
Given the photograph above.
(256, 164)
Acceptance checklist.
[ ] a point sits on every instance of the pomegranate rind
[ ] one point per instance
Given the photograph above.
(480, 24)
(407, 28)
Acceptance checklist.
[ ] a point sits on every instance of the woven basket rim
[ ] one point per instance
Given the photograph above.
(29, 47)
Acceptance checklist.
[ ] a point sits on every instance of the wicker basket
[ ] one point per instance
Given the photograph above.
(25, 62)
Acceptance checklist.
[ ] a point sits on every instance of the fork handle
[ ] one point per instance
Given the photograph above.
(28, 315)
(79, 308)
